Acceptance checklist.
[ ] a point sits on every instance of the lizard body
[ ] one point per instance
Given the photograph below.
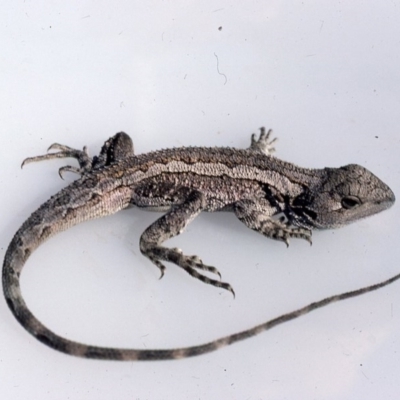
(183, 182)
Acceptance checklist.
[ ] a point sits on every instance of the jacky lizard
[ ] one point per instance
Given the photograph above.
(273, 197)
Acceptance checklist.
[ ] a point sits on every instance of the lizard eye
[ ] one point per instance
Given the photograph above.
(350, 202)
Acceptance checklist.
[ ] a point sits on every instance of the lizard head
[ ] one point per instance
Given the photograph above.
(348, 194)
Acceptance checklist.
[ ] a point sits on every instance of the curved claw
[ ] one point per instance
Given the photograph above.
(162, 271)
(29, 160)
(307, 236)
(160, 266)
(228, 287)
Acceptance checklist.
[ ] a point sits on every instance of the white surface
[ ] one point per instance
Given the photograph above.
(324, 75)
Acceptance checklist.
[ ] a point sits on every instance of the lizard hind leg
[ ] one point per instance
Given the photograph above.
(172, 224)
(82, 156)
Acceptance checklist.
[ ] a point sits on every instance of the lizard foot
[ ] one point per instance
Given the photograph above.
(85, 162)
(263, 144)
(283, 232)
(191, 264)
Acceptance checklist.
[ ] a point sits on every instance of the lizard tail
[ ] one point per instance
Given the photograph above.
(36, 230)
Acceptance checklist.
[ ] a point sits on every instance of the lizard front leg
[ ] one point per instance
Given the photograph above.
(256, 215)
(172, 224)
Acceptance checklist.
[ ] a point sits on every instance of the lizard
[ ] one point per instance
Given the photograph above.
(273, 197)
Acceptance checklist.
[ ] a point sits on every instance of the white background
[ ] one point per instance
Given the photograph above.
(324, 74)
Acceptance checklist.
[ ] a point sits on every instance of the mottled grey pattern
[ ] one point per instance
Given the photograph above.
(183, 182)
